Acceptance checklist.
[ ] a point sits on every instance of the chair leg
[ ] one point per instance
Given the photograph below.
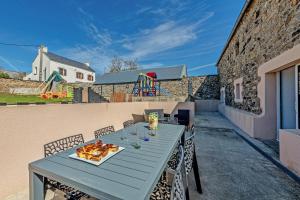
(196, 173)
(187, 194)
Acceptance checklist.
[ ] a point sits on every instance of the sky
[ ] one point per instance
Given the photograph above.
(158, 33)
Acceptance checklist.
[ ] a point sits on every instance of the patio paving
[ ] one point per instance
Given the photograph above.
(232, 169)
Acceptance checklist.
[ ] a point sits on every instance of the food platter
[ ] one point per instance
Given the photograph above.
(96, 153)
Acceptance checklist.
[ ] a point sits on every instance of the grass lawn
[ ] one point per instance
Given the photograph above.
(13, 99)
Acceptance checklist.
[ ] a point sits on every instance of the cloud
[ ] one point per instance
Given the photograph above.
(151, 42)
(97, 58)
(163, 37)
(101, 37)
(201, 67)
(143, 10)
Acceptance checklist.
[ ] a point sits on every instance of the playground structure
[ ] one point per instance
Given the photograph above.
(55, 88)
(148, 85)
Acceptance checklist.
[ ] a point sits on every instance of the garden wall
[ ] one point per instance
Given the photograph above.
(7, 84)
(25, 129)
(202, 87)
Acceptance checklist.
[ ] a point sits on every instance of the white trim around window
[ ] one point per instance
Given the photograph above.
(238, 90)
(222, 95)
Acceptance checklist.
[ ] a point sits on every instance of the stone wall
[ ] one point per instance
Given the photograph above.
(202, 87)
(7, 84)
(13, 74)
(268, 28)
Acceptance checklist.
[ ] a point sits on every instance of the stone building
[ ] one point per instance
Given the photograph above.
(174, 80)
(259, 69)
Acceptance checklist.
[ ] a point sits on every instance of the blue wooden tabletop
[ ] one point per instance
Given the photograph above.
(130, 174)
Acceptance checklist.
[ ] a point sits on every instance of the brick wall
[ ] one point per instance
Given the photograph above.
(268, 28)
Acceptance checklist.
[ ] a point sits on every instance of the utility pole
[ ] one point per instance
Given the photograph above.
(41, 62)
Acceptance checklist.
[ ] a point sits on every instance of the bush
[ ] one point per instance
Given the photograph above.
(4, 75)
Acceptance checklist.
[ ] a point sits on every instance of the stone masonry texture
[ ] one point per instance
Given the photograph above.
(203, 87)
(6, 84)
(268, 28)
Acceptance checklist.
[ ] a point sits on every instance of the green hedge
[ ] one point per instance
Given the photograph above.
(4, 75)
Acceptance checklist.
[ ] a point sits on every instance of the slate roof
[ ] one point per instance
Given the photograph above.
(67, 61)
(163, 73)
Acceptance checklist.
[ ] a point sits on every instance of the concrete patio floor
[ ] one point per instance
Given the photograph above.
(232, 169)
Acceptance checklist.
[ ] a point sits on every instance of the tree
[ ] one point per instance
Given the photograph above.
(118, 64)
(130, 64)
(4, 75)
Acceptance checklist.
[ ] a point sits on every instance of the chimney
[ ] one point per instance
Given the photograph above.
(43, 49)
(87, 64)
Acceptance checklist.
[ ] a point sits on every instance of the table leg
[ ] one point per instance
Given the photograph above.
(36, 186)
(196, 172)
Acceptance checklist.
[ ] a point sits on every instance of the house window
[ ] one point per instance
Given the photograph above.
(79, 75)
(62, 71)
(35, 71)
(90, 77)
(222, 95)
(238, 87)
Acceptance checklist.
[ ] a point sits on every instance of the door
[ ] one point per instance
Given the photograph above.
(288, 99)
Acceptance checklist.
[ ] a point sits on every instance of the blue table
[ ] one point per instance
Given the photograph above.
(130, 174)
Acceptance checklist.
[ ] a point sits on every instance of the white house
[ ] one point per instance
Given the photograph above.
(72, 71)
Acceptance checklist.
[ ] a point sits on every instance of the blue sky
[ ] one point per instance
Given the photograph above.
(157, 33)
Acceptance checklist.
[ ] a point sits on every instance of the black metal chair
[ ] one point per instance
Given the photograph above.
(128, 123)
(56, 147)
(177, 189)
(104, 131)
(183, 117)
(190, 158)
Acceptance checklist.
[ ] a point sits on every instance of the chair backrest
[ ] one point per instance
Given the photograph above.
(128, 123)
(104, 131)
(160, 112)
(184, 117)
(189, 150)
(178, 183)
(63, 144)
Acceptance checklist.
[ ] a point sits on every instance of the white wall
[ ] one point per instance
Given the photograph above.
(206, 105)
(51, 66)
(32, 75)
(71, 72)
(25, 129)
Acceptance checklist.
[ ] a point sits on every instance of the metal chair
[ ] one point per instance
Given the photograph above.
(128, 123)
(190, 158)
(56, 147)
(183, 117)
(177, 189)
(104, 131)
